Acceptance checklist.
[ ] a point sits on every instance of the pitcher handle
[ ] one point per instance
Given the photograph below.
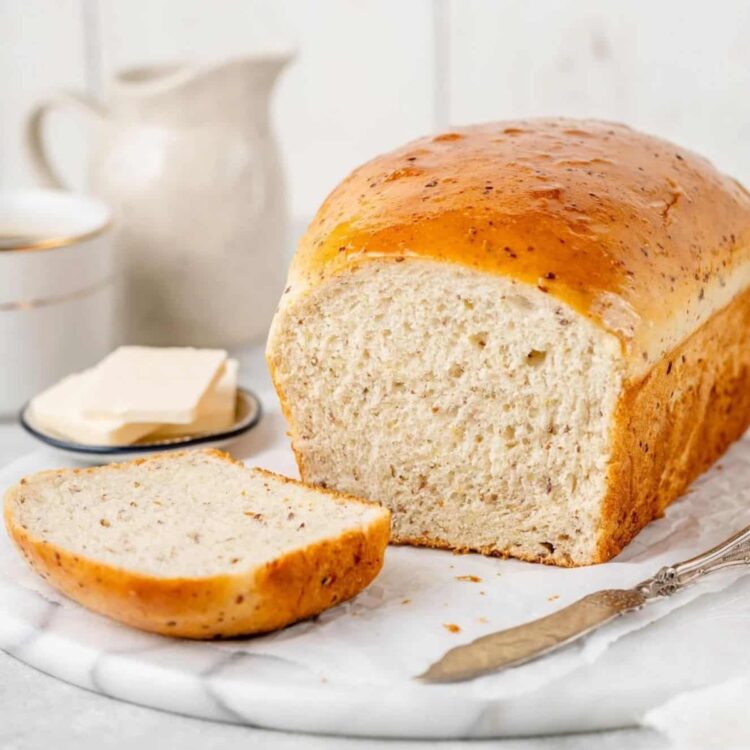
(34, 132)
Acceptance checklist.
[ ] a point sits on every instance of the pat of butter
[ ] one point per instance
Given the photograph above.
(150, 384)
(215, 410)
(58, 409)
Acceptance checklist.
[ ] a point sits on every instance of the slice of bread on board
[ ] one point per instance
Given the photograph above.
(194, 544)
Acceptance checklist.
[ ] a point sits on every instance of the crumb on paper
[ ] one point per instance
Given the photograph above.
(482, 593)
(406, 601)
(482, 620)
(452, 628)
(553, 598)
(471, 579)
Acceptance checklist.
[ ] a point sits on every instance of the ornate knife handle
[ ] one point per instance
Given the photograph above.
(733, 551)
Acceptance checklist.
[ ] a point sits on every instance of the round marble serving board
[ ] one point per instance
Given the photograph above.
(350, 671)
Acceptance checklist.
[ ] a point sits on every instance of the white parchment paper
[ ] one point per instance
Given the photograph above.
(425, 601)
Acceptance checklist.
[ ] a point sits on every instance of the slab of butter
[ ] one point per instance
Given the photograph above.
(149, 384)
(215, 410)
(58, 409)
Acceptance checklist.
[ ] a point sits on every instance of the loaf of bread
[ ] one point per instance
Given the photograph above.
(193, 544)
(527, 338)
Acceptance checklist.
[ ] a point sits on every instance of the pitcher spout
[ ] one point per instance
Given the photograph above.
(198, 90)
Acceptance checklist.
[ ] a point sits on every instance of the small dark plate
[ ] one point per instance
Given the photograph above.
(248, 412)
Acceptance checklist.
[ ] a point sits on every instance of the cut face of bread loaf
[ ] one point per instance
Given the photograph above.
(526, 338)
(491, 436)
(194, 544)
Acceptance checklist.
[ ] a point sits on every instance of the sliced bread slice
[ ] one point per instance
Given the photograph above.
(194, 544)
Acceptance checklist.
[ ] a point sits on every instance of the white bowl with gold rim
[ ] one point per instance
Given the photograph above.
(57, 290)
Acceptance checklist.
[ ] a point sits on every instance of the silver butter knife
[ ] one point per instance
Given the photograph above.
(524, 643)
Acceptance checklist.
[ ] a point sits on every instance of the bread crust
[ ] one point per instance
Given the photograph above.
(672, 424)
(641, 236)
(293, 587)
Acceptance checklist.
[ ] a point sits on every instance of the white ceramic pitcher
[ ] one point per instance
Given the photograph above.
(185, 157)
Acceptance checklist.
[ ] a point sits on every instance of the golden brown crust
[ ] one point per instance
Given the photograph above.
(671, 425)
(628, 229)
(293, 587)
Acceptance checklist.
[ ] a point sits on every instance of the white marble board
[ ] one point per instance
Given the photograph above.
(350, 670)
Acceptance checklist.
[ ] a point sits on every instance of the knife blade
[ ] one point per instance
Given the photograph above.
(523, 643)
(518, 645)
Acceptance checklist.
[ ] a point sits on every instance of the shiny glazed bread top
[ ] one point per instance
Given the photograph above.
(641, 236)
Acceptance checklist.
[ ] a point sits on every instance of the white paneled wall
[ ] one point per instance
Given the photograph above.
(42, 51)
(677, 68)
(370, 74)
(363, 86)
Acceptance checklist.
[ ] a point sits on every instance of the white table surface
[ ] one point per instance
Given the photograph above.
(38, 712)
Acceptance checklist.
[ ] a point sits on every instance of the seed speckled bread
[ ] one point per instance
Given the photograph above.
(194, 544)
(527, 338)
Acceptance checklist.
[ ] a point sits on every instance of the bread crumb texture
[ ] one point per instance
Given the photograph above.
(475, 407)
